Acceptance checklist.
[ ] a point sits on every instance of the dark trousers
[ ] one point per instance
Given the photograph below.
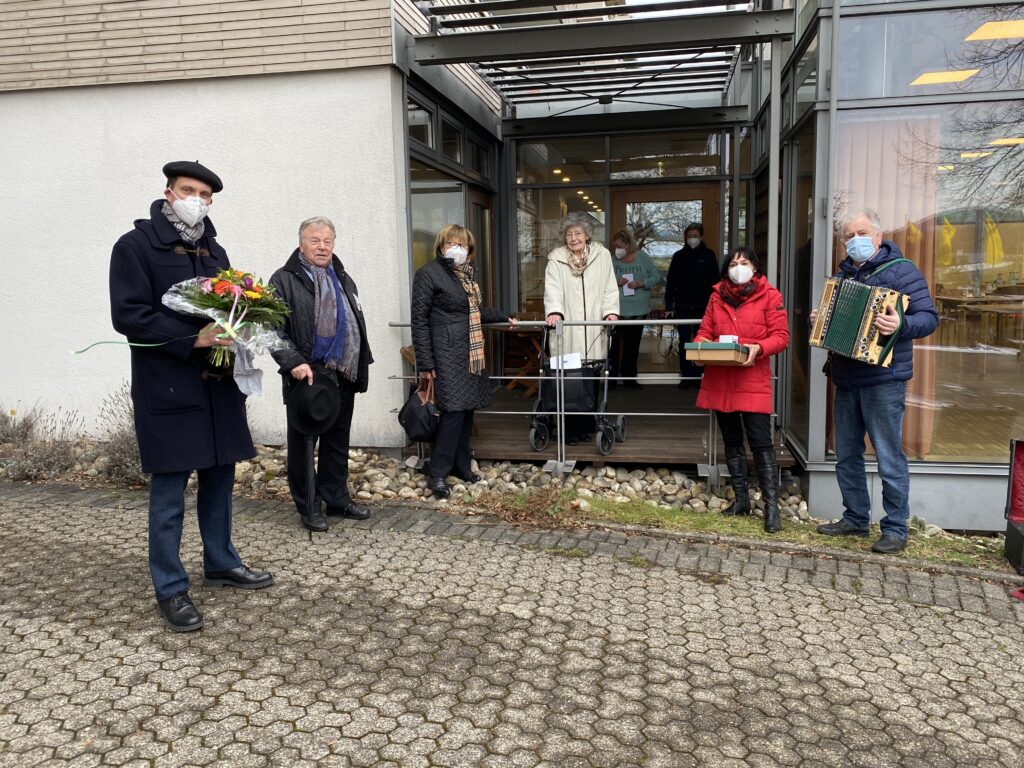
(167, 515)
(451, 450)
(626, 348)
(758, 427)
(332, 460)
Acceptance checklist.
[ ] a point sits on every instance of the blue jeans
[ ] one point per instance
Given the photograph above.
(878, 411)
(167, 515)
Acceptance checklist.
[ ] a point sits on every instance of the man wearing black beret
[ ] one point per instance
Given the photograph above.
(188, 415)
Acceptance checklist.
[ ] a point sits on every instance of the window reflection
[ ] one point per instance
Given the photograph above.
(952, 197)
(437, 199)
(802, 228)
(806, 78)
(932, 53)
(560, 161)
(420, 120)
(665, 155)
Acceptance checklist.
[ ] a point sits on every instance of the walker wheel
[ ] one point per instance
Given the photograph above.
(605, 440)
(539, 436)
(620, 429)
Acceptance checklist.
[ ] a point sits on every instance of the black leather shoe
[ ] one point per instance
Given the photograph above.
(889, 545)
(468, 477)
(180, 615)
(241, 577)
(440, 487)
(350, 510)
(315, 521)
(842, 527)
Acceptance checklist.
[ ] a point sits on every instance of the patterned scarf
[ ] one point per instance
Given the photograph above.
(734, 295)
(335, 332)
(476, 332)
(578, 263)
(185, 232)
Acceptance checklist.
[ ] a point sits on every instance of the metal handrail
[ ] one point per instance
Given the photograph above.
(561, 464)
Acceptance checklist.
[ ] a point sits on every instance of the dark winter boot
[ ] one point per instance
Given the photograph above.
(736, 460)
(768, 473)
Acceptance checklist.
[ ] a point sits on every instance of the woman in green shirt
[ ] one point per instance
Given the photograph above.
(636, 275)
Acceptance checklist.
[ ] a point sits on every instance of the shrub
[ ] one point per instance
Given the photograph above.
(119, 444)
(51, 452)
(16, 429)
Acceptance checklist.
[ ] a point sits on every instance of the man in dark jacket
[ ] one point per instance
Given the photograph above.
(188, 415)
(692, 274)
(328, 332)
(870, 398)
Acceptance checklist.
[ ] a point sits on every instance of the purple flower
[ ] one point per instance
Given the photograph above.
(247, 283)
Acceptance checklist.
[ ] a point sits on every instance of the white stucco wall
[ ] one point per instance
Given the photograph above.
(81, 164)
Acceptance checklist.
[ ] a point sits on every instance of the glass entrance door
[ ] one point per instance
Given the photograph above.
(658, 217)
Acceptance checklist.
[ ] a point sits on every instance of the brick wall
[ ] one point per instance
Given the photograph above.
(52, 43)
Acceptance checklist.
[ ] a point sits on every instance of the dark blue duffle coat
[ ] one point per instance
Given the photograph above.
(183, 420)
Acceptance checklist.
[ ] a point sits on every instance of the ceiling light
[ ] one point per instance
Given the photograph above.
(948, 76)
(1007, 142)
(998, 30)
(945, 167)
(566, 178)
(556, 171)
(580, 192)
(974, 154)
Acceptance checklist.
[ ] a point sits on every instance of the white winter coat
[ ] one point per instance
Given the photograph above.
(592, 295)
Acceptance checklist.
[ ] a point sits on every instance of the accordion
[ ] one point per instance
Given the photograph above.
(846, 320)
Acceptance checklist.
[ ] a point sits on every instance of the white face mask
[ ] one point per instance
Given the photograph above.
(693, 242)
(457, 254)
(741, 274)
(191, 210)
(620, 253)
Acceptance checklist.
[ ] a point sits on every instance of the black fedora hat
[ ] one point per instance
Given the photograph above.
(313, 408)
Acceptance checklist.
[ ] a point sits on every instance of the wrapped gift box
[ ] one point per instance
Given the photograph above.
(716, 353)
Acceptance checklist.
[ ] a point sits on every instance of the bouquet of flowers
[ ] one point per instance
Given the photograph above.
(248, 312)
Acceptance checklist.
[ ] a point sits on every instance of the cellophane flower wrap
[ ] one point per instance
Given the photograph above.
(248, 312)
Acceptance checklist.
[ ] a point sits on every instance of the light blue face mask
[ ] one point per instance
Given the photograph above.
(860, 248)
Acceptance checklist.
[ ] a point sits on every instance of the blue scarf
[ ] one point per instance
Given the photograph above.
(328, 315)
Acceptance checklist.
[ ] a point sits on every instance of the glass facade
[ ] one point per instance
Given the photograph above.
(949, 193)
(800, 151)
(939, 52)
(653, 184)
(660, 155)
(437, 199)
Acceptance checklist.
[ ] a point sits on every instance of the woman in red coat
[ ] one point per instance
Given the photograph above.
(744, 305)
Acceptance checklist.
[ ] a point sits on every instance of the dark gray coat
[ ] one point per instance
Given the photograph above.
(295, 287)
(440, 335)
(183, 421)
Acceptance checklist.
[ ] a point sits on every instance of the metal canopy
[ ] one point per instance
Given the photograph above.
(531, 51)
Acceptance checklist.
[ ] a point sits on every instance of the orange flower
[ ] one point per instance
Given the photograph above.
(222, 288)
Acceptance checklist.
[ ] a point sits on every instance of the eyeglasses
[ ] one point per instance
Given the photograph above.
(453, 244)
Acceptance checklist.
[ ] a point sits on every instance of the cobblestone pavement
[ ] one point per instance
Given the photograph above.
(426, 639)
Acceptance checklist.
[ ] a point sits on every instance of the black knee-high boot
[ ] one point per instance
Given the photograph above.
(736, 460)
(768, 474)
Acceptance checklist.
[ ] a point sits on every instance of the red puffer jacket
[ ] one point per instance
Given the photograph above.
(761, 319)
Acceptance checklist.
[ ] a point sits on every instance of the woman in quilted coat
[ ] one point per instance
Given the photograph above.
(744, 305)
(448, 337)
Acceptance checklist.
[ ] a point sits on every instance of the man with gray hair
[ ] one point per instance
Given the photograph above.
(328, 332)
(871, 399)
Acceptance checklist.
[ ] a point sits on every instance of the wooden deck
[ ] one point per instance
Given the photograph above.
(650, 440)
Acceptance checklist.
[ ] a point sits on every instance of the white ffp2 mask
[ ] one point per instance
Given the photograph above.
(191, 210)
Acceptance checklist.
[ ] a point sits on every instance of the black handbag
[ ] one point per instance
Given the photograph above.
(419, 416)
